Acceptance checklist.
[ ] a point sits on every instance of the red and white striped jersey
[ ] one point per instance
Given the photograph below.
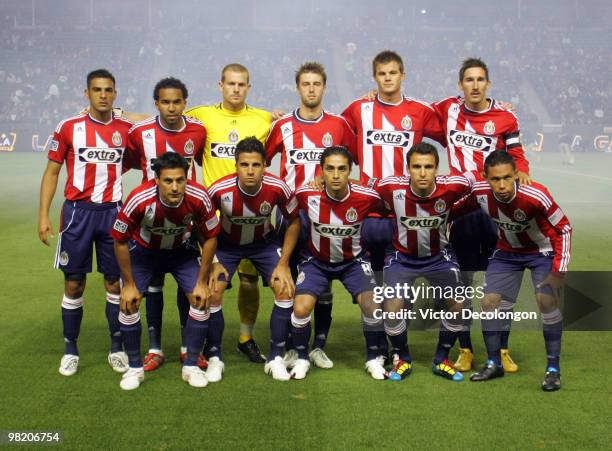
(301, 143)
(335, 225)
(154, 225)
(386, 132)
(472, 135)
(93, 153)
(150, 139)
(530, 223)
(246, 218)
(420, 223)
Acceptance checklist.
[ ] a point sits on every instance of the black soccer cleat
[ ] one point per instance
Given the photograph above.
(490, 371)
(251, 350)
(552, 380)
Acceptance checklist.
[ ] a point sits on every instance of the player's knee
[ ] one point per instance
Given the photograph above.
(74, 285)
(490, 302)
(216, 299)
(111, 284)
(302, 309)
(546, 302)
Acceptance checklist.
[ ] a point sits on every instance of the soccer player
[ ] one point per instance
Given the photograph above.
(169, 131)
(474, 126)
(300, 138)
(91, 145)
(534, 234)
(227, 123)
(334, 251)
(246, 200)
(422, 203)
(159, 216)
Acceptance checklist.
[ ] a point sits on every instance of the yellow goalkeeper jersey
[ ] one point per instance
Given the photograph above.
(224, 129)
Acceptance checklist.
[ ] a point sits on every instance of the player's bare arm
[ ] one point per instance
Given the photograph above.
(201, 292)
(130, 296)
(282, 273)
(48, 186)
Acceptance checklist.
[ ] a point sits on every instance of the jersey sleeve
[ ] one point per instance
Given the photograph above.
(57, 148)
(206, 218)
(349, 140)
(288, 202)
(348, 115)
(273, 143)
(514, 146)
(127, 220)
(131, 157)
(463, 206)
(199, 154)
(433, 126)
(563, 229)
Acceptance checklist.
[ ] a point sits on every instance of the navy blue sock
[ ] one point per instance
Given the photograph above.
(552, 325)
(446, 340)
(465, 339)
(300, 330)
(131, 329)
(183, 305)
(398, 336)
(280, 323)
(491, 335)
(112, 317)
(71, 320)
(214, 337)
(195, 332)
(373, 339)
(322, 321)
(155, 308)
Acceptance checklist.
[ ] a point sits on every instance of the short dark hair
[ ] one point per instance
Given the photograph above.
(337, 150)
(387, 56)
(498, 157)
(100, 73)
(248, 145)
(170, 83)
(235, 67)
(423, 148)
(472, 62)
(169, 160)
(311, 67)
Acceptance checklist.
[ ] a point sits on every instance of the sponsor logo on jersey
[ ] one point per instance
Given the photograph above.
(99, 155)
(440, 206)
(423, 222)
(388, 138)
(233, 136)
(166, 231)
(328, 141)
(472, 141)
(222, 150)
(120, 226)
(8, 144)
(399, 196)
(406, 122)
(189, 146)
(64, 258)
(519, 215)
(247, 220)
(304, 156)
(513, 227)
(489, 128)
(226, 198)
(150, 213)
(116, 139)
(265, 208)
(336, 231)
(351, 215)
(286, 129)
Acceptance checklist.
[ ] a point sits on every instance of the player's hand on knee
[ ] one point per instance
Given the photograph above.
(554, 282)
(45, 228)
(283, 281)
(490, 302)
(201, 296)
(130, 299)
(213, 277)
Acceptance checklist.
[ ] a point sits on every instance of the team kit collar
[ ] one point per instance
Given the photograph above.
(378, 99)
(339, 200)
(159, 122)
(486, 110)
(296, 115)
(244, 192)
(513, 197)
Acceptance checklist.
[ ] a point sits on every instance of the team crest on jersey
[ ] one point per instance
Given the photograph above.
(519, 215)
(351, 215)
(265, 208)
(117, 138)
(489, 128)
(406, 122)
(440, 205)
(328, 141)
(64, 258)
(233, 136)
(188, 147)
(300, 278)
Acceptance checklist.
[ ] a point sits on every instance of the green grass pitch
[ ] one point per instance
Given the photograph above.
(332, 409)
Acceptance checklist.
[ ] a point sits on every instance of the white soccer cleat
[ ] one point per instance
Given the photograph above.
(300, 369)
(214, 373)
(132, 378)
(320, 359)
(290, 358)
(194, 376)
(277, 369)
(118, 361)
(69, 364)
(375, 368)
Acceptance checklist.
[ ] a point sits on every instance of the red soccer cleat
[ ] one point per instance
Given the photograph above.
(202, 362)
(153, 361)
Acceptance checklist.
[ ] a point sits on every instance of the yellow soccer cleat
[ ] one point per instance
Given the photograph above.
(465, 360)
(507, 362)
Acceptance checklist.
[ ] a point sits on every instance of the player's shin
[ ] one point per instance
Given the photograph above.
(112, 317)
(300, 331)
(131, 329)
(552, 325)
(492, 338)
(506, 323)
(155, 308)
(214, 337)
(322, 319)
(373, 331)
(72, 315)
(182, 303)
(195, 333)
(449, 330)
(280, 324)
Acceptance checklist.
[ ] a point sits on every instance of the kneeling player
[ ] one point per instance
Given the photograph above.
(159, 216)
(421, 204)
(334, 252)
(246, 200)
(534, 234)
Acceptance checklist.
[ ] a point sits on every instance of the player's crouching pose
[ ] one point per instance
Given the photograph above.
(334, 251)
(534, 234)
(159, 216)
(246, 200)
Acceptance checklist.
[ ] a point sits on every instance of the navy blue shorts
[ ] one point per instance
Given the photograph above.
(263, 254)
(473, 238)
(84, 225)
(440, 270)
(505, 272)
(377, 236)
(315, 276)
(281, 228)
(183, 263)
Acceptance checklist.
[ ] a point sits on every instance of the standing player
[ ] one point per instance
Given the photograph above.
(170, 131)
(246, 200)
(300, 138)
(159, 216)
(422, 203)
(227, 123)
(92, 147)
(474, 126)
(336, 216)
(534, 234)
